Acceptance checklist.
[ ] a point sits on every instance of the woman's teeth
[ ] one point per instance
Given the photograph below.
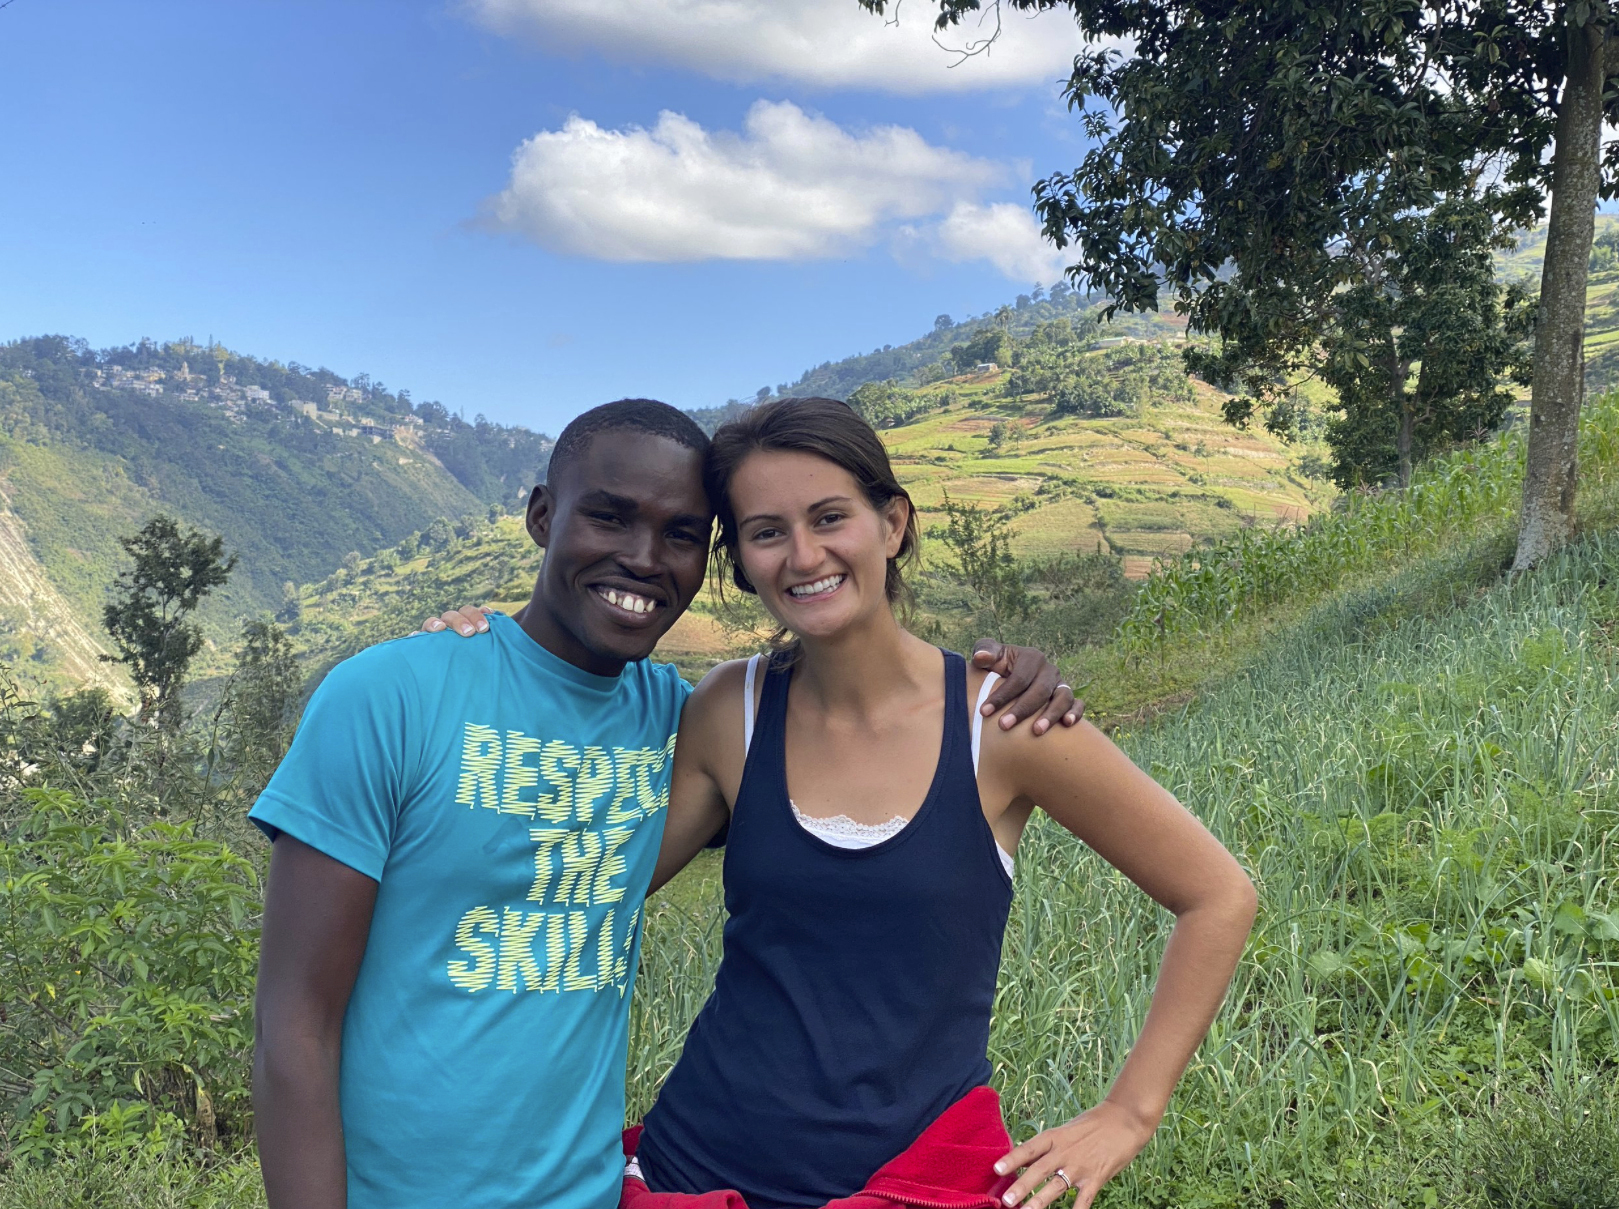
(627, 601)
(816, 588)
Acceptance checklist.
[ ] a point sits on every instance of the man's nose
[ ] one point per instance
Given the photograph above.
(639, 553)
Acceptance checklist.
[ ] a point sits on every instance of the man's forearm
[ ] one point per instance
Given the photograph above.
(299, 1123)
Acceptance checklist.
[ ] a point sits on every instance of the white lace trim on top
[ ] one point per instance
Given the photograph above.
(843, 832)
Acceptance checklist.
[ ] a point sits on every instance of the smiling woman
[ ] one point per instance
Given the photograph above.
(871, 829)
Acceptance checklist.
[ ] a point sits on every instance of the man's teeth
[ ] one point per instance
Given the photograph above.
(816, 588)
(628, 601)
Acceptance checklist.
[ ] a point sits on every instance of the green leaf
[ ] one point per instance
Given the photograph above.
(1539, 973)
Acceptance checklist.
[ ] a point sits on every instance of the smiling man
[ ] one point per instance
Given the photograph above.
(464, 833)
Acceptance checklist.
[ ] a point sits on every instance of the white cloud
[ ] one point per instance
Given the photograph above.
(791, 185)
(1003, 233)
(827, 43)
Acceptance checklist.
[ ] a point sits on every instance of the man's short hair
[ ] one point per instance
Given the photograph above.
(640, 415)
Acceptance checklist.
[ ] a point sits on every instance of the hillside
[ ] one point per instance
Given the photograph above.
(296, 468)
(301, 469)
(1138, 486)
(910, 363)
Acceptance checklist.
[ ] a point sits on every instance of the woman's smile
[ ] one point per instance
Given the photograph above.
(818, 589)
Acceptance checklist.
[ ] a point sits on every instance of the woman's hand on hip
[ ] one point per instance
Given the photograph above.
(1083, 1155)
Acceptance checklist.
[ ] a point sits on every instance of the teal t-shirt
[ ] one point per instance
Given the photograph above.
(509, 806)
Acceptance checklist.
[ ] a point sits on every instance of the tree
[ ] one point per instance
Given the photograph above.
(1436, 309)
(982, 544)
(148, 618)
(1580, 34)
(1257, 143)
(261, 700)
(885, 404)
(1605, 251)
(992, 345)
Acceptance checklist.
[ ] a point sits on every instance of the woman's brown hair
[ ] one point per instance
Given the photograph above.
(828, 429)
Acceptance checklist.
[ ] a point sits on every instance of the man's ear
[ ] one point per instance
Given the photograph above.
(541, 511)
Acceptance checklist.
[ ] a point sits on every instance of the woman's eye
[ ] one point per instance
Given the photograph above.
(829, 518)
(760, 535)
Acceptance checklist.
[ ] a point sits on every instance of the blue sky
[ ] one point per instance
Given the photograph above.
(334, 183)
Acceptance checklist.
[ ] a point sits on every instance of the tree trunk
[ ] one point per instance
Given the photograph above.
(1399, 371)
(1558, 386)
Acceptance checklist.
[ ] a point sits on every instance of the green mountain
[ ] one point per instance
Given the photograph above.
(913, 363)
(298, 469)
(313, 478)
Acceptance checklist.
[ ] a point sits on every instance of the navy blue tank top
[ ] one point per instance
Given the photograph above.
(852, 1003)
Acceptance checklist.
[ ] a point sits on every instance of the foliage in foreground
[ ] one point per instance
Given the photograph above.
(1427, 1014)
(130, 953)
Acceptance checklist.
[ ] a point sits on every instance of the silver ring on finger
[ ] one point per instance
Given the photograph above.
(1060, 687)
(1067, 1184)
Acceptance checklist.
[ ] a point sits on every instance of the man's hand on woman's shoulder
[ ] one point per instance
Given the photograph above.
(465, 621)
(1030, 687)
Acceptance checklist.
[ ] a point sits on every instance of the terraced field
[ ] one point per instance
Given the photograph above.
(1141, 487)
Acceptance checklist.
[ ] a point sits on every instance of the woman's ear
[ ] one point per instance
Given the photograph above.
(897, 516)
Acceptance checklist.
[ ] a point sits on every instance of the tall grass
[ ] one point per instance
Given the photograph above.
(1430, 815)
(1205, 590)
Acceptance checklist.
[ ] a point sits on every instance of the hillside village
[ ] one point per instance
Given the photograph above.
(234, 399)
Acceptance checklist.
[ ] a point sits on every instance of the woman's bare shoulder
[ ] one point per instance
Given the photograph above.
(711, 729)
(718, 692)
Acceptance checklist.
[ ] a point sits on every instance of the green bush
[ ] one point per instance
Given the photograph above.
(129, 953)
(1545, 1149)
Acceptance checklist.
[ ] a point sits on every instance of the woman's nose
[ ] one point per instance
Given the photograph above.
(805, 554)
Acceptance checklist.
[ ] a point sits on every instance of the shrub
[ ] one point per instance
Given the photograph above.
(1543, 1149)
(130, 954)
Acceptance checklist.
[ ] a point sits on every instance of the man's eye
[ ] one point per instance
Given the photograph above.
(606, 518)
(684, 535)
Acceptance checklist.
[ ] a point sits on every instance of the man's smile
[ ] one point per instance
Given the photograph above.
(627, 605)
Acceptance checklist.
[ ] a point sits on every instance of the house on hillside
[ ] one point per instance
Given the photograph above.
(986, 367)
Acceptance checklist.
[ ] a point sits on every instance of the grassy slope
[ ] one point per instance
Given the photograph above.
(1420, 777)
(74, 504)
(1142, 486)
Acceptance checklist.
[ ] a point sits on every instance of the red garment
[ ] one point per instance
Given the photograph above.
(951, 1166)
